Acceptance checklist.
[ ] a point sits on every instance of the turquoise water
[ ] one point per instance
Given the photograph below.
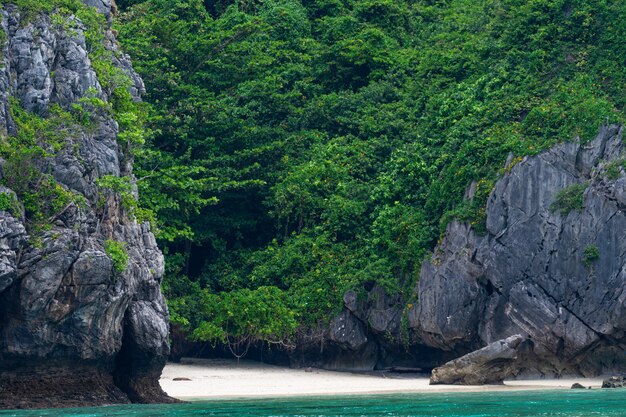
(573, 403)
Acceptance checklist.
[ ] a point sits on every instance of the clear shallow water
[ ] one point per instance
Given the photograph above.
(564, 403)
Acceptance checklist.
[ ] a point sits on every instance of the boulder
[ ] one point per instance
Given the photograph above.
(489, 365)
(614, 382)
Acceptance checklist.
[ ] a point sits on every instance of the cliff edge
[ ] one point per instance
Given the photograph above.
(82, 317)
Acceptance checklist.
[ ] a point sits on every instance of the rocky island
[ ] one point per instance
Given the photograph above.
(434, 187)
(82, 317)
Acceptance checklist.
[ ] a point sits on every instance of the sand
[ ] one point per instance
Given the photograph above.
(225, 378)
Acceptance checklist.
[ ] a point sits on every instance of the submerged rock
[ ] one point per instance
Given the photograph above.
(75, 329)
(489, 365)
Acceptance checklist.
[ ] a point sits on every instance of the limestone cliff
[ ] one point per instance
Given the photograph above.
(76, 325)
(551, 271)
(555, 274)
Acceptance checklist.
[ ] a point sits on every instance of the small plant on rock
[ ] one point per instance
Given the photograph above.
(613, 169)
(590, 255)
(9, 204)
(118, 254)
(570, 198)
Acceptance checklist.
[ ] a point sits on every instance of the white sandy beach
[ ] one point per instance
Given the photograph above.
(224, 378)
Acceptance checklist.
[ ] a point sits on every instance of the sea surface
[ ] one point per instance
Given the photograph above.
(570, 403)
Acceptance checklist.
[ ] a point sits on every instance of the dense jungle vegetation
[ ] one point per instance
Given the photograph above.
(299, 148)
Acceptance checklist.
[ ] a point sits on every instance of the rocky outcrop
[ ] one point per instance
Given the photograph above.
(349, 344)
(75, 328)
(614, 382)
(370, 333)
(489, 365)
(555, 274)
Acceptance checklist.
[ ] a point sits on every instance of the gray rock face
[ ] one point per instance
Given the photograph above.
(68, 318)
(489, 365)
(12, 239)
(103, 6)
(367, 335)
(614, 382)
(529, 274)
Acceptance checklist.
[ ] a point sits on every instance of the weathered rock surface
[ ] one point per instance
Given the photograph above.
(73, 329)
(614, 382)
(489, 365)
(367, 335)
(528, 275)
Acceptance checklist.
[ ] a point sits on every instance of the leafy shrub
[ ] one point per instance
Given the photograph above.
(25, 153)
(590, 255)
(246, 315)
(118, 254)
(9, 204)
(614, 168)
(569, 198)
(41, 196)
(121, 186)
(402, 233)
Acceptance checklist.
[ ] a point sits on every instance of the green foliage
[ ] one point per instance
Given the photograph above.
(89, 106)
(569, 198)
(121, 186)
(118, 254)
(471, 211)
(9, 204)
(3, 39)
(244, 314)
(614, 168)
(316, 146)
(400, 232)
(590, 255)
(41, 196)
(50, 134)
(37, 138)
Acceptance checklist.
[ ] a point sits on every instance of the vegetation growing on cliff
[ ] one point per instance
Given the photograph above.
(118, 254)
(41, 136)
(591, 254)
(299, 148)
(570, 198)
(24, 153)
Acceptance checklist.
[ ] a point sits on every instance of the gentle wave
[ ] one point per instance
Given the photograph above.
(583, 403)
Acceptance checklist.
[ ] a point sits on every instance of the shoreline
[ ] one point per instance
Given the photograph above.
(228, 379)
